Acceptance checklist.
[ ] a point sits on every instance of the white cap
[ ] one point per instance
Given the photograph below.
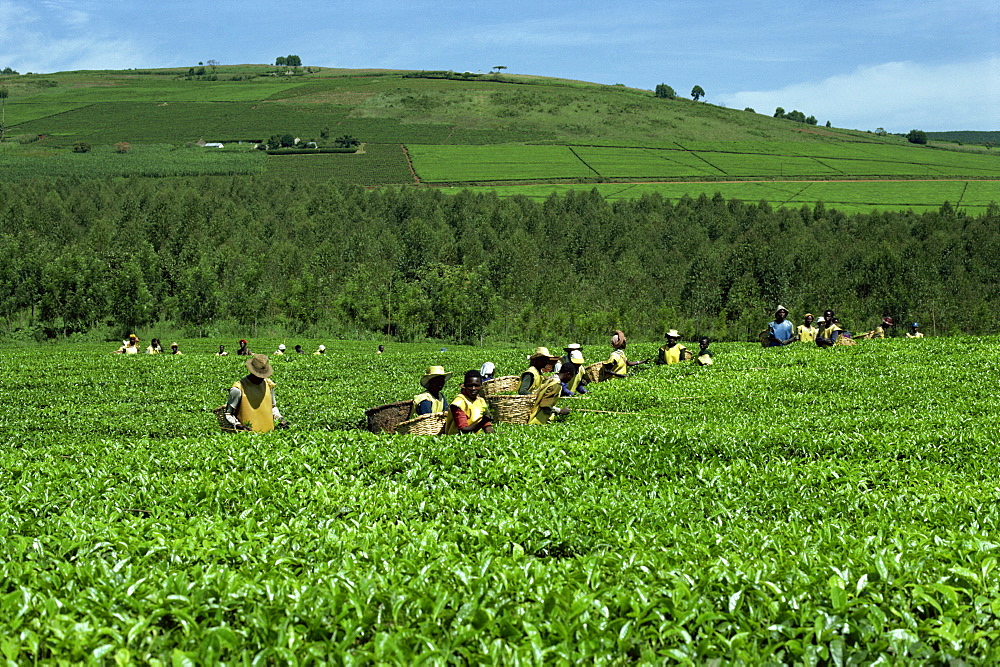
(487, 369)
(281, 347)
(322, 347)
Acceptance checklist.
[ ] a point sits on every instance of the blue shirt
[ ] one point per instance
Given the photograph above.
(782, 331)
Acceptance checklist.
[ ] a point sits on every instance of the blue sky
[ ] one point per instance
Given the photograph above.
(932, 65)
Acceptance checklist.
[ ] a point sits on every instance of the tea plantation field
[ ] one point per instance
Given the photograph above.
(797, 505)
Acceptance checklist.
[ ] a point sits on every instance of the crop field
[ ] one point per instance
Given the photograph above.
(847, 196)
(379, 164)
(783, 506)
(522, 163)
(171, 122)
(436, 164)
(145, 160)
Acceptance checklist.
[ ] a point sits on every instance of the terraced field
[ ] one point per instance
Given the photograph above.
(787, 506)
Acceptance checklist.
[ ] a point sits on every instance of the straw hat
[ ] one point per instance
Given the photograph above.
(542, 352)
(173, 345)
(887, 320)
(673, 334)
(259, 365)
(433, 372)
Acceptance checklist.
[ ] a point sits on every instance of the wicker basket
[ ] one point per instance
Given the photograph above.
(220, 416)
(501, 385)
(593, 372)
(385, 418)
(429, 424)
(844, 340)
(511, 409)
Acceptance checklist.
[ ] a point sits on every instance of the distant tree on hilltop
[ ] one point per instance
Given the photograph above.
(916, 137)
(664, 91)
(697, 93)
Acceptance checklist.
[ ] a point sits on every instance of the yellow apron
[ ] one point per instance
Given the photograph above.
(474, 410)
(255, 405)
(547, 397)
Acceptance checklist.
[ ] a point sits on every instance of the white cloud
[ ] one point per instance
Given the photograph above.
(898, 96)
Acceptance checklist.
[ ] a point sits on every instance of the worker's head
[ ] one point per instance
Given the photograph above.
(433, 380)
(809, 319)
(471, 384)
(827, 314)
(381, 348)
(915, 326)
(259, 367)
(542, 359)
(243, 342)
(618, 340)
(222, 348)
(565, 373)
(780, 313)
(887, 321)
(672, 337)
(703, 342)
(298, 348)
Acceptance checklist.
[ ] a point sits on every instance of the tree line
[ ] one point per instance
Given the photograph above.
(228, 254)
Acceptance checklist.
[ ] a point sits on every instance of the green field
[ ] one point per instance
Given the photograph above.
(479, 129)
(377, 165)
(150, 160)
(973, 197)
(782, 506)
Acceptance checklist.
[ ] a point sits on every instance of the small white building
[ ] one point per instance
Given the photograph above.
(213, 144)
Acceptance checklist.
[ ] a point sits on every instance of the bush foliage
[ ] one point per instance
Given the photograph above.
(417, 263)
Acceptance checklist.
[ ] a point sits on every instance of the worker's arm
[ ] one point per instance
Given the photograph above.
(233, 406)
(279, 421)
(526, 381)
(462, 422)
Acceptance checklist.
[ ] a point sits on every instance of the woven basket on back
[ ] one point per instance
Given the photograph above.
(429, 424)
(844, 340)
(501, 385)
(511, 409)
(220, 416)
(384, 418)
(593, 372)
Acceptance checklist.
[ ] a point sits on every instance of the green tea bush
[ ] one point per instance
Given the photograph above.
(782, 506)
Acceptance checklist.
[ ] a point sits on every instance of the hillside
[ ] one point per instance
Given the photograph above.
(452, 129)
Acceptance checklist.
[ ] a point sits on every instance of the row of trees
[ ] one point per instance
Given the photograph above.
(795, 115)
(664, 91)
(314, 258)
(288, 61)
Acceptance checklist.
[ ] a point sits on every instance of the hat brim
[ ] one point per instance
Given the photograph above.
(427, 378)
(263, 374)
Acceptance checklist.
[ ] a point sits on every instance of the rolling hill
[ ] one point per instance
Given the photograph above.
(517, 134)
